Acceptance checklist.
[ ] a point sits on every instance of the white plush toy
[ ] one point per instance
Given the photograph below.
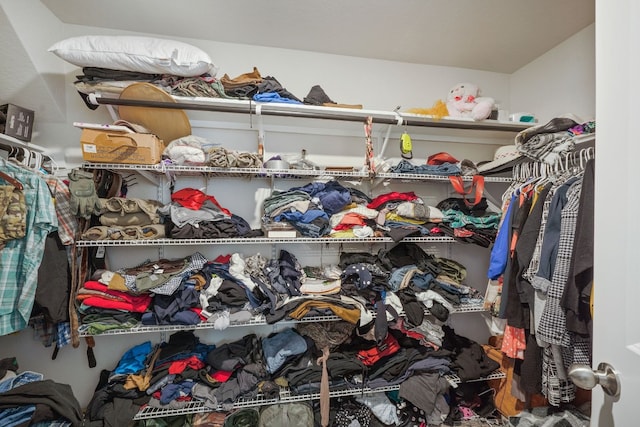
(463, 101)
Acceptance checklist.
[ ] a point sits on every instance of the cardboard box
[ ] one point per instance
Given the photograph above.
(120, 147)
(18, 122)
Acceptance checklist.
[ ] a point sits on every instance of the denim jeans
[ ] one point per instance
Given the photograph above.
(445, 169)
(397, 275)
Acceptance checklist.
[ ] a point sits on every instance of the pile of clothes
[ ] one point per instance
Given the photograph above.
(392, 307)
(329, 209)
(250, 85)
(26, 398)
(317, 209)
(395, 283)
(191, 214)
(183, 371)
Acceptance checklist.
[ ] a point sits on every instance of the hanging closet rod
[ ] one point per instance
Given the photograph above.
(577, 157)
(27, 154)
(535, 169)
(305, 111)
(8, 142)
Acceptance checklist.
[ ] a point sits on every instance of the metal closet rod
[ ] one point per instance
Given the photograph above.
(270, 110)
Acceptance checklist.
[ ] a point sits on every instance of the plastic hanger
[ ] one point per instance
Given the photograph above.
(49, 165)
(27, 157)
(35, 160)
(16, 154)
(544, 175)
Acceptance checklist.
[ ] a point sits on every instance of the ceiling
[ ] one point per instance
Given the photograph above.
(492, 35)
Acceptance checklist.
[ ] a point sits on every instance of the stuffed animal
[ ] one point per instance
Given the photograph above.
(463, 101)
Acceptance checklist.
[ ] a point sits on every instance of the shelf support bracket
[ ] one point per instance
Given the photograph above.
(400, 120)
(260, 132)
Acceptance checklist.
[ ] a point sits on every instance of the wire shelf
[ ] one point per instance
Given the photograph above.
(280, 173)
(472, 307)
(255, 321)
(495, 375)
(161, 168)
(259, 320)
(285, 396)
(257, 241)
(426, 177)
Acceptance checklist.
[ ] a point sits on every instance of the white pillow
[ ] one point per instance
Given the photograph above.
(133, 53)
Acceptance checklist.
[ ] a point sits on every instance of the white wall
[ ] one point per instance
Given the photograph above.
(559, 82)
(376, 84)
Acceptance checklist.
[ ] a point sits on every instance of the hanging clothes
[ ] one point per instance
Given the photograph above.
(54, 281)
(514, 306)
(21, 258)
(552, 327)
(68, 225)
(576, 298)
(546, 281)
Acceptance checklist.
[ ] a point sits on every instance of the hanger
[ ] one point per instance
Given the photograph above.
(14, 153)
(546, 174)
(36, 162)
(27, 157)
(33, 161)
(18, 154)
(11, 180)
(558, 167)
(587, 154)
(49, 165)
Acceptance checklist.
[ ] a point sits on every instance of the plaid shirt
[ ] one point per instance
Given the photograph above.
(67, 222)
(557, 390)
(195, 262)
(534, 264)
(21, 258)
(552, 328)
(63, 336)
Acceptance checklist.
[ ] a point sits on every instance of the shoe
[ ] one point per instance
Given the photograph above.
(556, 124)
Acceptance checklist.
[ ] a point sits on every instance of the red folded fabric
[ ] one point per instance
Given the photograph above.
(349, 221)
(137, 306)
(94, 285)
(125, 301)
(392, 196)
(194, 199)
(178, 366)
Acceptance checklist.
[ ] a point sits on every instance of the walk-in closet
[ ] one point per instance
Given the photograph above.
(316, 214)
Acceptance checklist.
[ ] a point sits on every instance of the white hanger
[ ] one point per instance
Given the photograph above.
(35, 160)
(26, 159)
